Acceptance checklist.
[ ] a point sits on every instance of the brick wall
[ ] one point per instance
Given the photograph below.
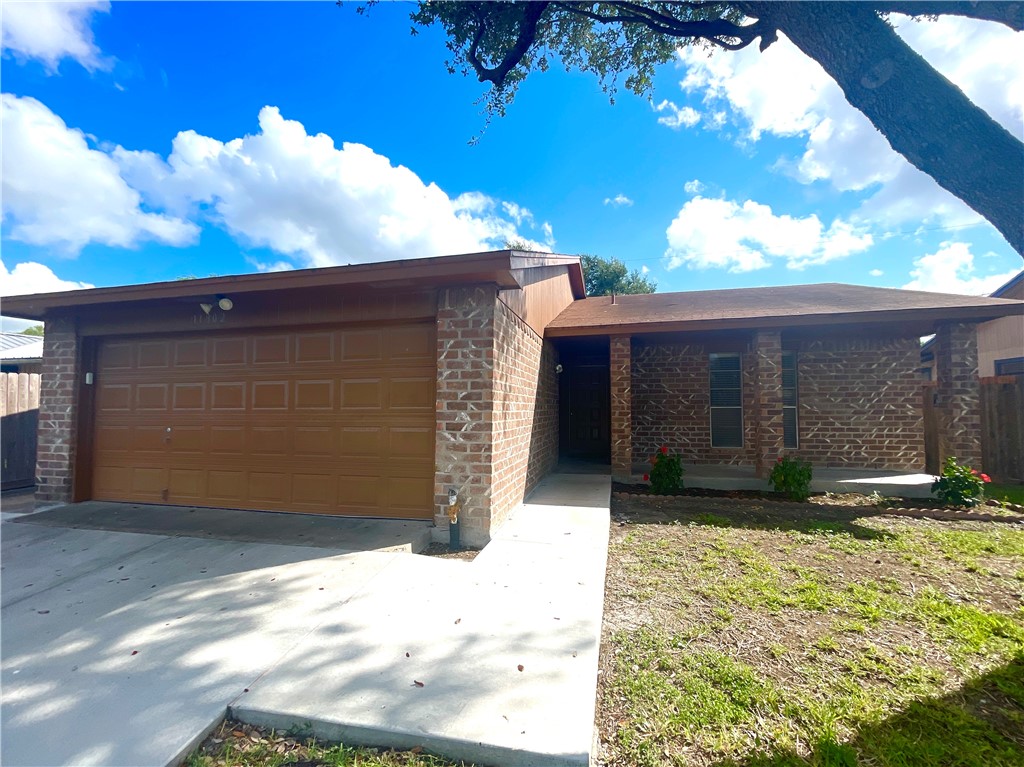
(769, 439)
(672, 404)
(58, 402)
(958, 392)
(860, 403)
(525, 421)
(621, 373)
(497, 410)
(463, 448)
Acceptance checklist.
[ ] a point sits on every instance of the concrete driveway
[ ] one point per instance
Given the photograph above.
(123, 648)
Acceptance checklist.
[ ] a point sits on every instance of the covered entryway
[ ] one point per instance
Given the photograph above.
(585, 401)
(336, 420)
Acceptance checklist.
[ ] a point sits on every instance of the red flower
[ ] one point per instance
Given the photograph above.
(647, 477)
(779, 459)
(664, 450)
(986, 478)
(974, 472)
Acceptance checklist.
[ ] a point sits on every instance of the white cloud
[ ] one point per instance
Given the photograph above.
(304, 198)
(951, 269)
(618, 201)
(677, 117)
(645, 269)
(876, 272)
(784, 93)
(744, 237)
(52, 31)
(693, 187)
(59, 192)
(31, 277)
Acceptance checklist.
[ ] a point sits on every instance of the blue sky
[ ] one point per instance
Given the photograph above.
(148, 141)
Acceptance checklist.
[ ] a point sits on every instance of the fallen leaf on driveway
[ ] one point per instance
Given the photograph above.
(520, 667)
(458, 621)
(42, 612)
(135, 652)
(417, 682)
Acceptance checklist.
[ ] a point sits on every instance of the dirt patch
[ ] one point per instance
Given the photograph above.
(842, 612)
(444, 551)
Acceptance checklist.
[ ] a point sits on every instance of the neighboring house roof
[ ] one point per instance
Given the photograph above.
(17, 346)
(497, 267)
(1013, 288)
(779, 307)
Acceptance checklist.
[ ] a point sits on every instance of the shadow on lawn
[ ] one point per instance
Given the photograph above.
(978, 725)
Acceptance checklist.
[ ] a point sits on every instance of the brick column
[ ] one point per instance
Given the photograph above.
(769, 439)
(622, 408)
(58, 406)
(463, 451)
(958, 392)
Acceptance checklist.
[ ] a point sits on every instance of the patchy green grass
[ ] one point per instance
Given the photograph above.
(240, 745)
(1006, 493)
(741, 633)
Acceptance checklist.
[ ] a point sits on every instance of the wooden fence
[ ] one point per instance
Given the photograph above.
(1002, 427)
(19, 420)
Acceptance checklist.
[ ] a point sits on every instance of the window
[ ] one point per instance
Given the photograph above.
(789, 400)
(726, 400)
(1010, 367)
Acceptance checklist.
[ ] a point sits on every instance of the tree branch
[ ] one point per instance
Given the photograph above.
(527, 35)
(1008, 14)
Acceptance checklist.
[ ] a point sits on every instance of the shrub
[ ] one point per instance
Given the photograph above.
(666, 475)
(792, 477)
(959, 485)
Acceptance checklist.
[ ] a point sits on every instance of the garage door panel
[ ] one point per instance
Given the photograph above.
(229, 351)
(333, 421)
(362, 393)
(228, 395)
(151, 396)
(270, 395)
(269, 441)
(186, 485)
(314, 347)
(226, 488)
(191, 353)
(227, 441)
(412, 393)
(154, 354)
(314, 395)
(188, 396)
(270, 350)
(268, 487)
(114, 398)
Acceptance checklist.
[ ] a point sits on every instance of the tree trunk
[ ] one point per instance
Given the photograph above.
(924, 116)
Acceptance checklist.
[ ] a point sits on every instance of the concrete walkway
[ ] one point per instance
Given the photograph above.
(126, 648)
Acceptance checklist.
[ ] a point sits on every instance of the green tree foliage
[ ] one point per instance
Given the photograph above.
(604, 276)
(34, 330)
(924, 117)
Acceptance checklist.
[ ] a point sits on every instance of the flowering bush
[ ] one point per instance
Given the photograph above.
(959, 485)
(792, 477)
(666, 475)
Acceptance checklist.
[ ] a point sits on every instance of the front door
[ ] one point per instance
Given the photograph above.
(589, 412)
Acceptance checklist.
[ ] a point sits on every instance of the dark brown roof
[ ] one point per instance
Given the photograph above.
(490, 267)
(779, 307)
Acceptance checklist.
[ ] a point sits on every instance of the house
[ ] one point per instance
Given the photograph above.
(381, 389)
(1000, 342)
(20, 353)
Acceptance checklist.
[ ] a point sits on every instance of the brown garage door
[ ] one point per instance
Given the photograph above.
(330, 421)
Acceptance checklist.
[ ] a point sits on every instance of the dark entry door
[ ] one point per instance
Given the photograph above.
(590, 412)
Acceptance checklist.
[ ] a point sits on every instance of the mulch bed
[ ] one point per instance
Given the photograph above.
(919, 508)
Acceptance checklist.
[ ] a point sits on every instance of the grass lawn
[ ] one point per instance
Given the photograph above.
(757, 633)
(1010, 493)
